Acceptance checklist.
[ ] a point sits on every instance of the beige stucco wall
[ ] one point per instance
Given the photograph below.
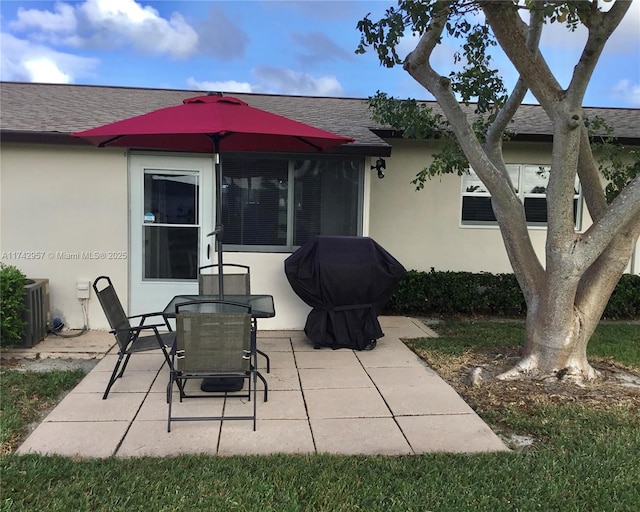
(56, 204)
(422, 229)
(58, 201)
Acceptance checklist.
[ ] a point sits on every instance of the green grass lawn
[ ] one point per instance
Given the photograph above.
(586, 460)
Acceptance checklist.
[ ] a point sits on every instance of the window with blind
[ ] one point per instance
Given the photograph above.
(530, 182)
(272, 203)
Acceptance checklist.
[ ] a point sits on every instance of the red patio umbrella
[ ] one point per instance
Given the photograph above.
(211, 124)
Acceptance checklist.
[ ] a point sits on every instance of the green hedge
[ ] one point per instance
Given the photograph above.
(468, 293)
(12, 306)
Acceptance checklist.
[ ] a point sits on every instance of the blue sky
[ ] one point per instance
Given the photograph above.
(276, 47)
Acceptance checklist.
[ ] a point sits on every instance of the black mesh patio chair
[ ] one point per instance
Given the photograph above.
(215, 339)
(236, 280)
(131, 338)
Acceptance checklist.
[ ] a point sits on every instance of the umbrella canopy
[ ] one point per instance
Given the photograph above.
(213, 124)
(198, 122)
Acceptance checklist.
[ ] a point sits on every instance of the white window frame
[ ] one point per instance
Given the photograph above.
(518, 177)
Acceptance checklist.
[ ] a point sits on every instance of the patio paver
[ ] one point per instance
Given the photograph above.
(384, 401)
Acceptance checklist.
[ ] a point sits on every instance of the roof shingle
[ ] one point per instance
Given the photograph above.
(64, 109)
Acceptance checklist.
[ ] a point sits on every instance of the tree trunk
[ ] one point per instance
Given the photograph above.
(563, 314)
(557, 334)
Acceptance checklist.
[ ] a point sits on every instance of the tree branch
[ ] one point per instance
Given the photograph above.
(510, 31)
(507, 206)
(601, 25)
(623, 214)
(589, 175)
(495, 132)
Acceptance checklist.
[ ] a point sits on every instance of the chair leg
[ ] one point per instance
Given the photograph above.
(267, 358)
(255, 397)
(124, 366)
(114, 375)
(169, 400)
(266, 387)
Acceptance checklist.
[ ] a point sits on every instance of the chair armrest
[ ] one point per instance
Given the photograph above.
(144, 316)
(137, 328)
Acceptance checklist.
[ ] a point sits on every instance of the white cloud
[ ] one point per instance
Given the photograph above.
(62, 20)
(272, 80)
(110, 21)
(627, 92)
(224, 86)
(286, 81)
(108, 24)
(45, 70)
(25, 61)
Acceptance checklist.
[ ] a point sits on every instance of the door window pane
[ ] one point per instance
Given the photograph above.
(171, 198)
(171, 225)
(170, 252)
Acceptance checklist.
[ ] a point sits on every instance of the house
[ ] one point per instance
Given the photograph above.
(72, 212)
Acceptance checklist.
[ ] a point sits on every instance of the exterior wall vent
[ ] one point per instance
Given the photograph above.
(37, 314)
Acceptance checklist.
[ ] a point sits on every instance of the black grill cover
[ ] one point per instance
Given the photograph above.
(347, 281)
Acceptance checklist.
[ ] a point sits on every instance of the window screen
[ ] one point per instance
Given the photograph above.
(279, 204)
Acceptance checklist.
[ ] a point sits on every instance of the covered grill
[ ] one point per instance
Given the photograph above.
(347, 281)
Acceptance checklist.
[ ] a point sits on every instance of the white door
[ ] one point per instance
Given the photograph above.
(171, 212)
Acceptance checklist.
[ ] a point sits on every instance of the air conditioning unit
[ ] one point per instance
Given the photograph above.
(37, 314)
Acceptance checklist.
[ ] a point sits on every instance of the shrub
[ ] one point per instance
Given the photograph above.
(12, 307)
(467, 293)
(624, 302)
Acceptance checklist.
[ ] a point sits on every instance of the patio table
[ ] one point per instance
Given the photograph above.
(262, 306)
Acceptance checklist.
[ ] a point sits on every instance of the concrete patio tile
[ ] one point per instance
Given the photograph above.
(438, 399)
(131, 381)
(274, 333)
(148, 361)
(161, 381)
(186, 437)
(418, 396)
(269, 345)
(271, 436)
(321, 378)
(327, 358)
(403, 376)
(92, 344)
(278, 360)
(355, 436)
(155, 407)
(345, 403)
(405, 328)
(283, 405)
(387, 322)
(303, 344)
(75, 438)
(91, 407)
(392, 353)
(281, 379)
(465, 433)
(348, 398)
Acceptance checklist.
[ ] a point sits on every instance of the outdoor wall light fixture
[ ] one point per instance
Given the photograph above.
(380, 164)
